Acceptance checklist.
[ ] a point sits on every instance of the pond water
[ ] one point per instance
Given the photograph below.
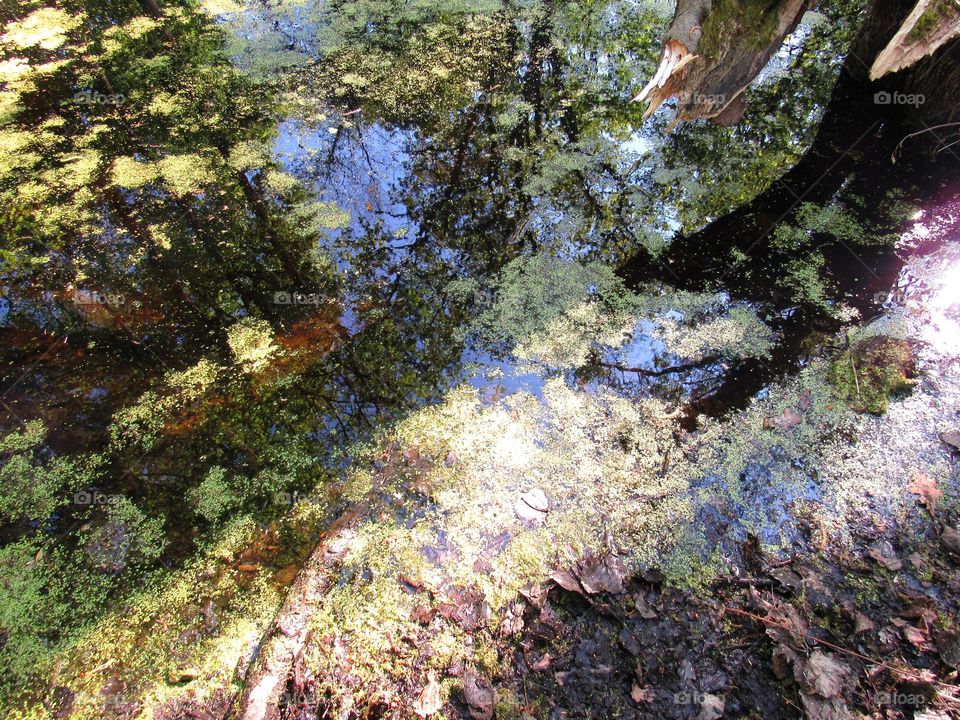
(298, 222)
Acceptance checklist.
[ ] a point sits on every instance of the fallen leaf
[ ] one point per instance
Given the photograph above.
(566, 580)
(467, 607)
(548, 616)
(818, 708)
(787, 577)
(535, 593)
(918, 637)
(429, 702)
(641, 694)
(422, 614)
(788, 419)
(783, 660)
(512, 619)
(824, 675)
(919, 610)
(532, 506)
(601, 573)
(543, 663)
(885, 556)
(409, 584)
(926, 488)
(536, 499)
(787, 626)
(863, 624)
(643, 607)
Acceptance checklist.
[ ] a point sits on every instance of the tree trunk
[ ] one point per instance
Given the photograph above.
(852, 149)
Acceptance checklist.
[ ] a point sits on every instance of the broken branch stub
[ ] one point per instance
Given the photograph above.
(929, 25)
(702, 68)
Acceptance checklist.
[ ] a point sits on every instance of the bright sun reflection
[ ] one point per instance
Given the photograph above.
(948, 294)
(943, 310)
(513, 448)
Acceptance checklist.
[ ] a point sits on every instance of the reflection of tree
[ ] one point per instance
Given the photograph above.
(819, 236)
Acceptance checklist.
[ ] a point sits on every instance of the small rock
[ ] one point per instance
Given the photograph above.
(951, 438)
(478, 692)
(951, 539)
(711, 707)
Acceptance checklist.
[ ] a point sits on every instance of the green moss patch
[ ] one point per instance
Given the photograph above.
(872, 371)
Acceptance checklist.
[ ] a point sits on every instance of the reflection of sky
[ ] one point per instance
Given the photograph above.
(488, 373)
(365, 175)
(364, 170)
(643, 348)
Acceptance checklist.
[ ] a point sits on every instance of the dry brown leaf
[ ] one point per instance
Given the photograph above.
(885, 555)
(818, 708)
(647, 612)
(602, 573)
(543, 663)
(566, 580)
(926, 488)
(783, 660)
(788, 419)
(918, 637)
(863, 624)
(824, 674)
(786, 624)
(536, 499)
(429, 702)
(535, 593)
